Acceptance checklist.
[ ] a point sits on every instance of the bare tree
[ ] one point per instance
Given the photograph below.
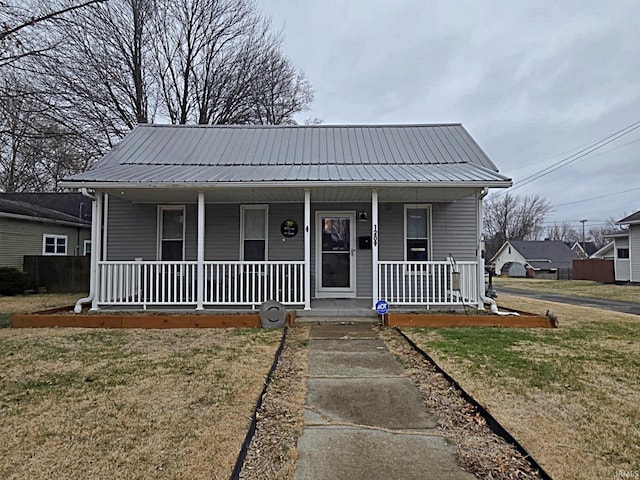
(19, 21)
(564, 232)
(218, 62)
(508, 217)
(106, 66)
(597, 233)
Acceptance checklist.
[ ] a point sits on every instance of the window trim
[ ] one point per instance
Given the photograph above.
(243, 209)
(46, 236)
(160, 223)
(627, 250)
(86, 251)
(429, 237)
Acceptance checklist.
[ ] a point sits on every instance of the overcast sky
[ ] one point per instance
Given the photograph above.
(532, 81)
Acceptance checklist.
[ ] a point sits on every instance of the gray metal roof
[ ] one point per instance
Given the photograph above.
(163, 154)
(631, 219)
(32, 211)
(547, 254)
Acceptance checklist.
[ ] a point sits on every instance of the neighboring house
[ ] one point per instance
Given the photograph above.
(29, 228)
(232, 216)
(626, 246)
(540, 259)
(583, 249)
(605, 253)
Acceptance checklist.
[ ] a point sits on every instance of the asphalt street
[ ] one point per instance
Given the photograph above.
(617, 306)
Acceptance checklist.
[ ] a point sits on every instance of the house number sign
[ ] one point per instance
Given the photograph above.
(289, 228)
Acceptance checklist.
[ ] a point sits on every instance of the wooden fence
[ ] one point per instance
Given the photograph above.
(595, 269)
(58, 274)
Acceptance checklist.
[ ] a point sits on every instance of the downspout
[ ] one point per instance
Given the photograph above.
(493, 306)
(92, 271)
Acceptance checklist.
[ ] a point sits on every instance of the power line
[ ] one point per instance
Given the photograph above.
(596, 198)
(577, 156)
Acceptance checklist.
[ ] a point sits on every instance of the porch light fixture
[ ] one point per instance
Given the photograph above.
(362, 216)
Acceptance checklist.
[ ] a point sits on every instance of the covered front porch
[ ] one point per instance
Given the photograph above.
(206, 284)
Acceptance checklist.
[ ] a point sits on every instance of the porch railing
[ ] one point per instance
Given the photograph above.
(176, 283)
(428, 283)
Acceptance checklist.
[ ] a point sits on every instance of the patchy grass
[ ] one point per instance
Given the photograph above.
(571, 395)
(578, 288)
(136, 404)
(34, 303)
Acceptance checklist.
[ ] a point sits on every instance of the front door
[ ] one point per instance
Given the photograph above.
(336, 254)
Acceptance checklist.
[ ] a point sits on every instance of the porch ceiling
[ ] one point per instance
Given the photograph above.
(292, 195)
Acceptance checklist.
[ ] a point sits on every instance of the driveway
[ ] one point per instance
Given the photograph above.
(614, 305)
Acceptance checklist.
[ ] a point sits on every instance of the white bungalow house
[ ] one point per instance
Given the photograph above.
(219, 217)
(535, 258)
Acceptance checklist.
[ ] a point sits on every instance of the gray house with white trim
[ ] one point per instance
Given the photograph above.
(626, 247)
(210, 217)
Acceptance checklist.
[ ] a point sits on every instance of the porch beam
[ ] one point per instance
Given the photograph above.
(307, 249)
(374, 247)
(200, 259)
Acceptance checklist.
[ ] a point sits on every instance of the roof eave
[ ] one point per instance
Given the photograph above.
(98, 185)
(29, 218)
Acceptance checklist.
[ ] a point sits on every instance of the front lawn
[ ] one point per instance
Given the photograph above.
(571, 395)
(134, 404)
(578, 288)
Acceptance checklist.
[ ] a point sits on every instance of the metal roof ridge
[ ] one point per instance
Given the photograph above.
(257, 127)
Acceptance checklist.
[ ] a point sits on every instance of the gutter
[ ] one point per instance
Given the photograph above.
(17, 216)
(102, 185)
(92, 271)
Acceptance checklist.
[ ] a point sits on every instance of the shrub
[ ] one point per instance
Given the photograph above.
(12, 281)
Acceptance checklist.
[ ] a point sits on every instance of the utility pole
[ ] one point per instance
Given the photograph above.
(584, 245)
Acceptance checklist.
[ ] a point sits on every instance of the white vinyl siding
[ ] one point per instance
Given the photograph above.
(54, 244)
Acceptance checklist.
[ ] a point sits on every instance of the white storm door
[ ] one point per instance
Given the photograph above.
(335, 254)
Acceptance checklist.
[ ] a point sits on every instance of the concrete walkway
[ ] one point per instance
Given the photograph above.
(363, 420)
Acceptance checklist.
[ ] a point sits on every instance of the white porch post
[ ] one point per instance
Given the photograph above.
(374, 247)
(96, 247)
(307, 249)
(481, 195)
(200, 279)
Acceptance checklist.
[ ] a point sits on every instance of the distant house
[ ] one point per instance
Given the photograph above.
(540, 259)
(605, 253)
(583, 249)
(626, 247)
(36, 224)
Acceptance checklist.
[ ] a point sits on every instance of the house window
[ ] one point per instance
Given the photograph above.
(623, 253)
(417, 232)
(87, 247)
(54, 244)
(171, 233)
(253, 232)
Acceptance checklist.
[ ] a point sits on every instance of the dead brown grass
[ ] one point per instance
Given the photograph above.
(134, 404)
(34, 303)
(587, 428)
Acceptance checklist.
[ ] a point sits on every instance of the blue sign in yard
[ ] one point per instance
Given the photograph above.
(382, 307)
